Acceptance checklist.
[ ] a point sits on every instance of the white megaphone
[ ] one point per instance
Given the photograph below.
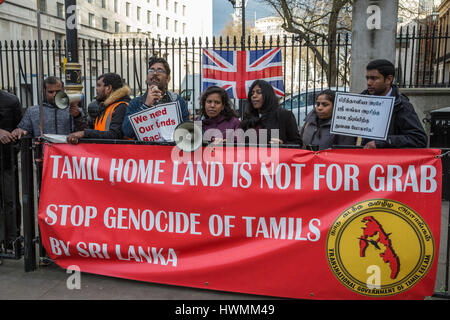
(188, 136)
(64, 99)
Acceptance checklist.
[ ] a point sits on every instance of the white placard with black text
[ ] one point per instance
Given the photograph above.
(156, 124)
(362, 115)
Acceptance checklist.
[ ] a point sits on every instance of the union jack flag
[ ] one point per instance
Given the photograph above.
(235, 71)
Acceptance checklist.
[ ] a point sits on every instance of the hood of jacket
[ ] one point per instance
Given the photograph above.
(311, 116)
(117, 95)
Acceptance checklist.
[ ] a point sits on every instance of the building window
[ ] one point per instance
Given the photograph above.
(105, 23)
(103, 3)
(116, 6)
(184, 11)
(138, 13)
(149, 17)
(158, 18)
(167, 4)
(175, 7)
(157, 3)
(117, 27)
(43, 6)
(90, 1)
(60, 10)
(91, 20)
(127, 11)
(175, 26)
(167, 23)
(184, 28)
(139, 30)
(128, 29)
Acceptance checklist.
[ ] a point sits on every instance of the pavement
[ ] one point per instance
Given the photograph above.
(50, 283)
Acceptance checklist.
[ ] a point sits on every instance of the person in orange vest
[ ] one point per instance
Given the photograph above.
(113, 97)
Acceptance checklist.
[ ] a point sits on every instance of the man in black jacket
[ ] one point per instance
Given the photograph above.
(114, 97)
(10, 114)
(405, 130)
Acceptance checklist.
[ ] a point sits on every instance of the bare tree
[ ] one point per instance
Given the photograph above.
(234, 31)
(409, 10)
(316, 18)
(325, 19)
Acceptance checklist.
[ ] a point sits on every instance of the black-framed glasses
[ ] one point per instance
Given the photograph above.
(157, 71)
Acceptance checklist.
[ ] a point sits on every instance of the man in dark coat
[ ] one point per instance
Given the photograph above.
(114, 97)
(10, 114)
(405, 129)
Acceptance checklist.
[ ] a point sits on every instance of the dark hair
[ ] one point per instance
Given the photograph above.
(269, 97)
(112, 79)
(52, 80)
(155, 59)
(227, 110)
(330, 94)
(385, 67)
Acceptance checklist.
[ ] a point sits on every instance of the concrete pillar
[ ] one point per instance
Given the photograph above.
(374, 28)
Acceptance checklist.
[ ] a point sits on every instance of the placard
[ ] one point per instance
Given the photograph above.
(362, 116)
(157, 123)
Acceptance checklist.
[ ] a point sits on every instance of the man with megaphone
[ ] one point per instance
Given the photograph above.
(158, 77)
(114, 97)
(57, 119)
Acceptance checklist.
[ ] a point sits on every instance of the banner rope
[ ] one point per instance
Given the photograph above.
(445, 154)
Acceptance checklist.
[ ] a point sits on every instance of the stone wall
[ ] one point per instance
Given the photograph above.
(425, 100)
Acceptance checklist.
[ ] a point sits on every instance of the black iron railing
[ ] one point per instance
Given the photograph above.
(422, 60)
(306, 66)
(423, 57)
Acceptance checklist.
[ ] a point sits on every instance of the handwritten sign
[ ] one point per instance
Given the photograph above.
(157, 123)
(362, 116)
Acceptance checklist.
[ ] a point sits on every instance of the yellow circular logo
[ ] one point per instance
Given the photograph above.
(379, 248)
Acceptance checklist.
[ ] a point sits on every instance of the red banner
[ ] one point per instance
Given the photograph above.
(341, 224)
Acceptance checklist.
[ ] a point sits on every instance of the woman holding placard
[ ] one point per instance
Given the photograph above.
(217, 114)
(264, 113)
(315, 133)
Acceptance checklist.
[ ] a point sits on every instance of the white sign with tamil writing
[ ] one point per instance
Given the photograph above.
(362, 116)
(157, 123)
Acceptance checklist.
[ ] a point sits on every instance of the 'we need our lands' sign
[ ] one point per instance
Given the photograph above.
(156, 123)
(362, 116)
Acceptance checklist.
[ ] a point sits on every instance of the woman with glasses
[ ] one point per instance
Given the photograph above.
(264, 112)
